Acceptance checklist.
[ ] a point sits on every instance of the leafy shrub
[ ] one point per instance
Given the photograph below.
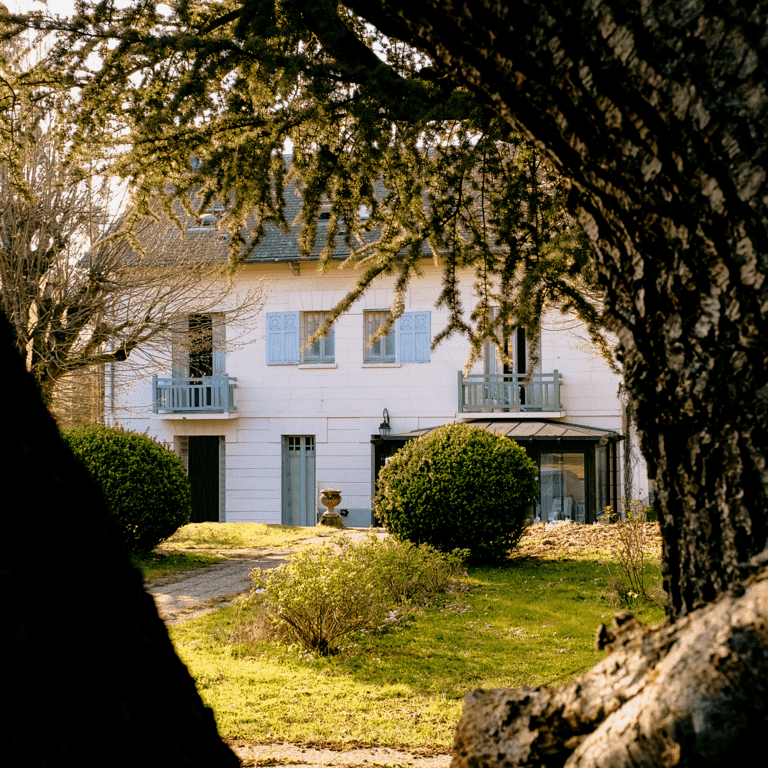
(636, 581)
(325, 593)
(144, 485)
(407, 572)
(459, 487)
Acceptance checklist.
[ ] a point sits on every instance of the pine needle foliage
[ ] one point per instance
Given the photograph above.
(207, 97)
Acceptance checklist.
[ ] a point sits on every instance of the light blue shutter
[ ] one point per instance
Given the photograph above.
(415, 337)
(219, 345)
(282, 338)
(180, 348)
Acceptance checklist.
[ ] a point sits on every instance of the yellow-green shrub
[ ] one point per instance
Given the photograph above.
(324, 593)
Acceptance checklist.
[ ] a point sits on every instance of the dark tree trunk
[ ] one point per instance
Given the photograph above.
(91, 677)
(693, 693)
(657, 114)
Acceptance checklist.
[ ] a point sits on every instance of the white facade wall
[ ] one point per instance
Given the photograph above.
(341, 405)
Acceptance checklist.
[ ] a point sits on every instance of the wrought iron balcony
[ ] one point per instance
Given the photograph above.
(509, 392)
(194, 395)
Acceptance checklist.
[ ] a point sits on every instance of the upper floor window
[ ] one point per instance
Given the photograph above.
(199, 346)
(382, 350)
(515, 350)
(289, 332)
(322, 350)
(408, 341)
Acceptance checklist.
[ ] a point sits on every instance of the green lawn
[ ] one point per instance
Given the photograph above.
(182, 551)
(240, 536)
(531, 623)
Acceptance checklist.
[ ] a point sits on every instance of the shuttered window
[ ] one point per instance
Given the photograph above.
(323, 350)
(408, 341)
(283, 338)
(287, 336)
(415, 337)
(382, 350)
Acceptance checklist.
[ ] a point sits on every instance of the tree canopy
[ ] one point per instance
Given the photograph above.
(74, 289)
(209, 97)
(653, 119)
(655, 114)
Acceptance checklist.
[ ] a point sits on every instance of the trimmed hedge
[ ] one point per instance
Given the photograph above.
(459, 487)
(144, 484)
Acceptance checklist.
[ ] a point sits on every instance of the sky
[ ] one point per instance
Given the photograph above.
(60, 7)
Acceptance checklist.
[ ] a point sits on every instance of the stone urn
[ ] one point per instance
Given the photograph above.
(330, 498)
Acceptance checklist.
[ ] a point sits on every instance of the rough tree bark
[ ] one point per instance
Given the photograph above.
(657, 114)
(91, 677)
(693, 693)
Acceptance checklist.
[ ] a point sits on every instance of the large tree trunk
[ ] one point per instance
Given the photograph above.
(90, 677)
(693, 693)
(658, 115)
(656, 112)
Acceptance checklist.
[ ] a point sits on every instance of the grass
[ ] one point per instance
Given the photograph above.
(157, 564)
(174, 556)
(239, 536)
(531, 623)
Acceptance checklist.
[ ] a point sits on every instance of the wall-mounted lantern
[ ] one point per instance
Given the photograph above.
(385, 427)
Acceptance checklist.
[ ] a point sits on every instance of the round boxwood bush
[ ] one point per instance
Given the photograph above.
(144, 485)
(458, 487)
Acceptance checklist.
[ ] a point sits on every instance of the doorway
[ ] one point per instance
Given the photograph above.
(203, 468)
(298, 483)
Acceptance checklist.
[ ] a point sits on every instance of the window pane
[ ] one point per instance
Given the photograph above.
(382, 350)
(389, 349)
(321, 351)
(562, 487)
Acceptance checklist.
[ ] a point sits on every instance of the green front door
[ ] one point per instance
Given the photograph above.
(204, 478)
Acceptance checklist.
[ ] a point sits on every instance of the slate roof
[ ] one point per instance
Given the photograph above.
(275, 245)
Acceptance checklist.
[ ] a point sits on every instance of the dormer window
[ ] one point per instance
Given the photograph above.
(208, 220)
(364, 213)
(325, 212)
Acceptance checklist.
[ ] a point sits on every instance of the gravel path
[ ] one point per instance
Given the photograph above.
(189, 595)
(288, 755)
(206, 589)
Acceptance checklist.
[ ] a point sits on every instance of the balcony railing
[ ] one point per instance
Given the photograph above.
(190, 395)
(509, 392)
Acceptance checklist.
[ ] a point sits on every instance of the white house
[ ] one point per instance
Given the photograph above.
(262, 428)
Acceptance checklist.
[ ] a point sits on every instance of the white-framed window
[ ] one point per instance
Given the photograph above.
(288, 333)
(323, 350)
(199, 346)
(408, 341)
(382, 350)
(516, 351)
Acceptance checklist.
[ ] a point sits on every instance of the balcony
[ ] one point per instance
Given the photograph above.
(214, 396)
(510, 393)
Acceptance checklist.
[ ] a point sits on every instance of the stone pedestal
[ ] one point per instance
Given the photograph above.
(330, 498)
